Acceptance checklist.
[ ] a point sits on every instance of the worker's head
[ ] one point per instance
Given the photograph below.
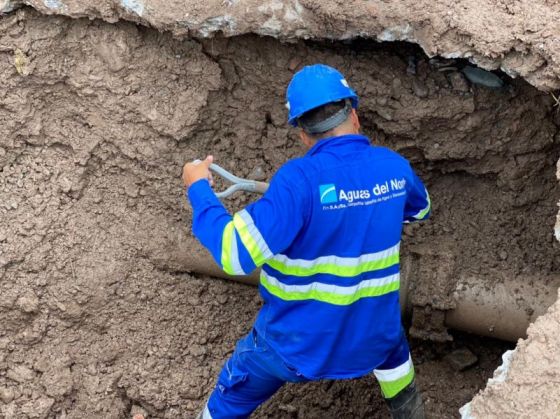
(322, 104)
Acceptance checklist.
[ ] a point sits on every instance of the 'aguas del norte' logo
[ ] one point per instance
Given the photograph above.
(389, 189)
(328, 193)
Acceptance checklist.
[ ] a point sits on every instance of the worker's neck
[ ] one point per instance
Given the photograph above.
(311, 141)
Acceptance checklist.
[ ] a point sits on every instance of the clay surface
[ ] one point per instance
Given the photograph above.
(557, 227)
(530, 385)
(520, 37)
(96, 120)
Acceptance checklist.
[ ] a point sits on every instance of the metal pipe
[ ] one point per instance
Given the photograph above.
(501, 310)
(205, 265)
(187, 255)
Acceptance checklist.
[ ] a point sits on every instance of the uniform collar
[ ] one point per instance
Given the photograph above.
(350, 140)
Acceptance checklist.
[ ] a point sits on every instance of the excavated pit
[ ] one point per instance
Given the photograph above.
(96, 120)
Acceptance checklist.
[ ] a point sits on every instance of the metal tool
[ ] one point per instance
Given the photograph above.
(239, 184)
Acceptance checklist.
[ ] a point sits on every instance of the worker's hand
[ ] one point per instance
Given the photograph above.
(197, 170)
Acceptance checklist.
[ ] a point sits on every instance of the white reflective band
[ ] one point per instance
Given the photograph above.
(331, 288)
(338, 260)
(234, 256)
(255, 234)
(394, 373)
(206, 413)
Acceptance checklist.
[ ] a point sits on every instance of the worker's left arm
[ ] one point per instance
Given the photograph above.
(418, 204)
(241, 243)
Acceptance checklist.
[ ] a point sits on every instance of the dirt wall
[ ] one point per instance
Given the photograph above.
(520, 37)
(526, 384)
(557, 227)
(96, 120)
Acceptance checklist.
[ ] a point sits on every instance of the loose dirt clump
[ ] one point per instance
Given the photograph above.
(527, 385)
(96, 120)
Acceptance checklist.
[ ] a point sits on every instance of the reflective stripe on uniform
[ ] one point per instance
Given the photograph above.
(422, 213)
(329, 293)
(394, 380)
(251, 237)
(335, 265)
(206, 413)
(230, 255)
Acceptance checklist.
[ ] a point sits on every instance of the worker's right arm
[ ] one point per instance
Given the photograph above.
(241, 243)
(418, 204)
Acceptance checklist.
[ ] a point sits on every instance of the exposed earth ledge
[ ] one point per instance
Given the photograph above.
(522, 38)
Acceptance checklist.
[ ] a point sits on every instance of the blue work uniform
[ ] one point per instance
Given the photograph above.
(327, 235)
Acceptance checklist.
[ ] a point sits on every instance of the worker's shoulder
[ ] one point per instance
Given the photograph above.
(293, 170)
(385, 153)
(295, 166)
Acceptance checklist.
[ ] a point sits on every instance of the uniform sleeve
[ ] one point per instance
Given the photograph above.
(418, 204)
(241, 243)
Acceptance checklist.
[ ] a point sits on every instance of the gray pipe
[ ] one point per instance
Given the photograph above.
(505, 309)
(502, 310)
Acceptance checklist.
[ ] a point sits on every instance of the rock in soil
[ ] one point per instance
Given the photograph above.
(461, 359)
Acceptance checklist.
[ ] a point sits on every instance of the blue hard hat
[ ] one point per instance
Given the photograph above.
(314, 86)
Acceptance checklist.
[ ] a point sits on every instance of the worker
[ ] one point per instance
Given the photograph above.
(327, 235)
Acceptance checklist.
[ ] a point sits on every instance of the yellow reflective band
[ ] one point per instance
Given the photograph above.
(227, 238)
(309, 269)
(425, 211)
(392, 388)
(251, 238)
(328, 293)
(230, 256)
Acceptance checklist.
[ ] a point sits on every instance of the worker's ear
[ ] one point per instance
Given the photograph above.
(306, 139)
(355, 121)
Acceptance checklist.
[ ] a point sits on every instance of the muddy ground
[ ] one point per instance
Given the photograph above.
(96, 120)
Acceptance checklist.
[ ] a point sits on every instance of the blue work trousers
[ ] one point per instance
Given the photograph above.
(255, 372)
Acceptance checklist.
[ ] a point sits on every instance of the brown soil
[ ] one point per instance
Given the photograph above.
(521, 37)
(526, 384)
(557, 226)
(96, 120)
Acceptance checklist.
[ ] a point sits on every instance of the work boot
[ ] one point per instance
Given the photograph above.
(407, 404)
